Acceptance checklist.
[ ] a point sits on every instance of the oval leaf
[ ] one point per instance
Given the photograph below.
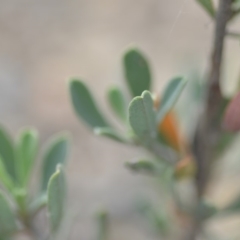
(137, 72)
(170, 96)
(142, 117)
(26, 153)
(7, 152)
(56, 154)
(7, 219)
(85, 106)
(117, 103)
(56, 198)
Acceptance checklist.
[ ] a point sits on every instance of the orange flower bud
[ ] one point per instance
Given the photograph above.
(169, 129)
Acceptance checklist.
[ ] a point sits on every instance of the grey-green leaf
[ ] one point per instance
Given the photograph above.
(170, 96)
(103, 225)
(7, 152)
(5, 178)
(233, 207)
(142, 117)
(117, 102)
(85, 106)
(27, 148)
(7, 219)
(137, 72)
(142, 166)
(208, 6)
(56, 198)
(110, 133)
(55, 154)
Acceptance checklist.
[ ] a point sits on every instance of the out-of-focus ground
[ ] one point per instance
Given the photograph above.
(44, 43)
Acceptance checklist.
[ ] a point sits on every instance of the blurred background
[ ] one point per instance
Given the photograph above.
(45, 43)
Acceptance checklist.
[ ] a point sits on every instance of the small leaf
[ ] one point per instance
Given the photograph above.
(233, 207)
(102, 220)
(142, 166)
(56, 154)
(137, 72)
(5, 178)
(142, 117)
(208, 6)
(26, 153)
(110, 133)
(170, 96)
(85, 106)
(157, 218)
(7, 152)
(205, 210)
(56, 198)
(117, 103)
(7, 219)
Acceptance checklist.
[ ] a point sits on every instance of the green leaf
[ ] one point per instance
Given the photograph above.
(38, 203)
(7, 152)
(27, 148)
(117, 102)
(142, 166)
(170, 96)
(55, 154)
(137, 72)
(157, 218)
(233, 207)
(85, 106)
(208, 6)
(56, 198)
(205, 210)
(103, 225)
(142, 117)
(110, 133)
(7, 219)
(5, 178)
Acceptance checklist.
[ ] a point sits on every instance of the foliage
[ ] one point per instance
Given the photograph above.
(149, 121)
(17, 165)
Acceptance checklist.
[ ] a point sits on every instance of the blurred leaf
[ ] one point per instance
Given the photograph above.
(236, 5)
(85, 106)
(26, 153)
(5, 178)
(205, 210)
(102, 220)
(7, 219)
(142, 166)
(56, 198)
(170, 96)
(7, 152)
(118, 103)
(110, 133)
(38, 203)
(142, 117)
(208, 6)
(233, 207)
(137, 72)
(157, 219)
(56, 154)
(20, 196)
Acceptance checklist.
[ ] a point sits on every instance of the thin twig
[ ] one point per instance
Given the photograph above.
(209, 128)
